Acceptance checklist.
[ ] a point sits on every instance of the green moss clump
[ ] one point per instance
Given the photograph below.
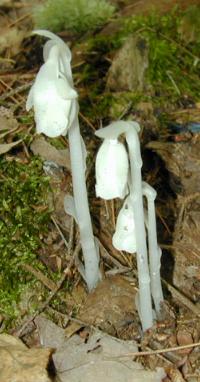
(24, 218)
(75, 15)
(173, 65)
(172, 74)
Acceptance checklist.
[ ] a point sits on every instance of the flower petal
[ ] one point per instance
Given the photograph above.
(124, 238)
(111, 170)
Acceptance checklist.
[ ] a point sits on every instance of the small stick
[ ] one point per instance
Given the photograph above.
(71, 237)
(87, 121)
(183, 299)
(10, 89)
(27, 15)
(113, 213)
(13, 92)
(160, 351)
(60, 232)
(126, 109)
(173, 82)
(41, 277)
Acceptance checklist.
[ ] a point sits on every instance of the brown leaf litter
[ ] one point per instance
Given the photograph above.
(20, 364)
(95, 357)
(48, 152)
(110, 307)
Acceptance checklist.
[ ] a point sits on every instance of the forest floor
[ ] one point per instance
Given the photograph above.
(143, 65)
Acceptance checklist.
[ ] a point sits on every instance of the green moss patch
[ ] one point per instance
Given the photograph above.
(24, 218)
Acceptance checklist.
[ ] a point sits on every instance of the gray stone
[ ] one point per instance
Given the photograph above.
(128, 68)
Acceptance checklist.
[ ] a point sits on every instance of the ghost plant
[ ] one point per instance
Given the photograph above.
(130, 234)
(154, 250)
(56, 113)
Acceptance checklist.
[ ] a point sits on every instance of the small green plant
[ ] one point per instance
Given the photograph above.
(75, 15)
(24, 218)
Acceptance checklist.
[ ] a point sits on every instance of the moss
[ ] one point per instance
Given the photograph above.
(58, 143)
(172, 75)
(26, 119)
(123, 101)
(173, 67)
(75, 15)
(24, 218)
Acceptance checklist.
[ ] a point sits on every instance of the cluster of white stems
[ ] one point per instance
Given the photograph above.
(56, 113)
(116, 180)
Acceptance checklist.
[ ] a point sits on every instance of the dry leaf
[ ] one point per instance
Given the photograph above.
(5, 147)
(48, 152)
(20, 364)
(11, 38)
(78, 360)
(8, 122)
(110, 306)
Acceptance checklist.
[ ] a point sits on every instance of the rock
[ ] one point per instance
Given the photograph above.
(128, 68)
(182, 161)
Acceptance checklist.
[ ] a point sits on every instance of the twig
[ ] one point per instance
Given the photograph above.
(27, 15)
(72, 319)
(113, 213)
(153, 352)
(13, 92)
(41, 277)
(107, 256)
(87, 121)
(163, 221)
(60, 232)
(71, 237)
(10, 89)
(126, 110)
(183, 299)
(173, 82)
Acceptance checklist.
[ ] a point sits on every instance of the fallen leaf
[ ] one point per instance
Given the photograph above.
(41, 147)
(110, 307)
(20, 364)
(184, 338)
(8, 122)
(11, 38)
(5, 147)
(98, 359)
(175, 375)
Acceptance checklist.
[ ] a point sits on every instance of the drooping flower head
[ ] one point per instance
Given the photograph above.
(124, 238)
(52, 95)
(111, 170)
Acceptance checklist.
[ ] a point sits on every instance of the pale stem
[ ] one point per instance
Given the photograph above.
(90, 252)
(131, 129)
(136, 196)
(154, 249)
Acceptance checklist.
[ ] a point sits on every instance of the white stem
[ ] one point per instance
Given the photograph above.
(90, 253)
(131, 129)
(145, 304)
(154, 250)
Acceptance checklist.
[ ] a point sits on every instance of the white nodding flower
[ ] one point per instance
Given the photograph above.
(56, 113)
(52, 95)
(111, 170)
(124, 238)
